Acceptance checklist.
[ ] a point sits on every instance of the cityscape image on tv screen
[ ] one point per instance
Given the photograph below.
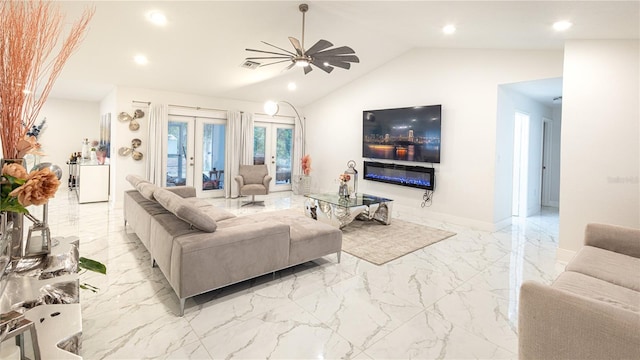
(409, 134)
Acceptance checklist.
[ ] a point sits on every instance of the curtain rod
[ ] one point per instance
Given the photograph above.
(180, 106)
(276, 115)
(196, 107)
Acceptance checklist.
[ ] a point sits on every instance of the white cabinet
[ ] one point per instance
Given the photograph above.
(93, 183)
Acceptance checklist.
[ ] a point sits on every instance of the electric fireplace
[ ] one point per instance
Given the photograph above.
(398, 174)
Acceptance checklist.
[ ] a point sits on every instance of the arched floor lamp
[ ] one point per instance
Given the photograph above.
(271, 108)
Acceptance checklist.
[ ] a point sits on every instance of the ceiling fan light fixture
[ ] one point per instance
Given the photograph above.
(302, 62)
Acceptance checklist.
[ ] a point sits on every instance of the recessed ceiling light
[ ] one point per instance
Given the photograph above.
(449, 29)
(141, 59)
(157, 18)
(562, 25)
(292, 86)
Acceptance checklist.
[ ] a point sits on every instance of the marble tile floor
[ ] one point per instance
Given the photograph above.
(456, 299)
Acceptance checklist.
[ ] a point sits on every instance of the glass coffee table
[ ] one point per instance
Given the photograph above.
(339, 211)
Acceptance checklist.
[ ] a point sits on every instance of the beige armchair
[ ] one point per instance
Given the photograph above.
(253, 180)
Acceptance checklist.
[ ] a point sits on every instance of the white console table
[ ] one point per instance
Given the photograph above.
(93, 183)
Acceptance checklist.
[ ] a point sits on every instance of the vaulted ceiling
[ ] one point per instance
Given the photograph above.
(201, 48)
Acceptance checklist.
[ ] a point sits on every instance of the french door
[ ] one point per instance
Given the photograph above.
(195, 151)
(273, 146)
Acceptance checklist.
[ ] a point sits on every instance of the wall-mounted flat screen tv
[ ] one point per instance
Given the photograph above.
(409, 134)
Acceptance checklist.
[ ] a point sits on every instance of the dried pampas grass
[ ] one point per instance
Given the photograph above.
(30, 62)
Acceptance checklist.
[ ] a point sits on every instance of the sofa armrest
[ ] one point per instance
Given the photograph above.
(619, 239)
(183, 191)
(557, 324)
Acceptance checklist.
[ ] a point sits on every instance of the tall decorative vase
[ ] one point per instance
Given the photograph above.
(343, 190)
(12, 229)
(12, 224)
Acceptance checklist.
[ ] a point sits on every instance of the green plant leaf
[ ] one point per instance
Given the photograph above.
(92, 265)
(86, 286)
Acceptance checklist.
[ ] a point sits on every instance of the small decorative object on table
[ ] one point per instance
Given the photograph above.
(353, 174)
(343, 190)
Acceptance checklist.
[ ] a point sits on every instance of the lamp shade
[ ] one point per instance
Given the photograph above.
(271, 107)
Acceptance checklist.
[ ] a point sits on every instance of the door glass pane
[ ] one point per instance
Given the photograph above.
(213, 157)
(259, 144)
(284, 154)
(177, 153)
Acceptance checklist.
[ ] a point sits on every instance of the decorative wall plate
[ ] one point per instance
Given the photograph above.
(135, 154)
(134, 125)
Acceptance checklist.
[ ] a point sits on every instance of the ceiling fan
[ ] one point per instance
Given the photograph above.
(318, 55)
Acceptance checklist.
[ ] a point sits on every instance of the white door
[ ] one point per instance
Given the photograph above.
(195, 153)
(273, 146)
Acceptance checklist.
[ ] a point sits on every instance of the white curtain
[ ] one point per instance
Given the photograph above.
(158, 123)
(247, 139)
(233, 153)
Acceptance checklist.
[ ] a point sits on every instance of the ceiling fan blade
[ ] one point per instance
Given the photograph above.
(320, 64)
(319, 46)
(279, 48)
(342, 50)
(275, 62)
(296, 45)
(307, 69)
(343, 58)
(268, 57)
(340, 64)
(289, 67)
(267, 52)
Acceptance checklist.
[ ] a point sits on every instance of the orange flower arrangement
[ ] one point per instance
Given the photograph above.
(306, 164)
(19, 189)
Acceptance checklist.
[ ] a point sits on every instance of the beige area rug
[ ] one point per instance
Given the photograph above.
(379, 244)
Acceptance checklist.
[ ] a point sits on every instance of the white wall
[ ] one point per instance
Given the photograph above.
(510, 101)
(466, 83)
(600, 136)
(121, 100)
(68, 122)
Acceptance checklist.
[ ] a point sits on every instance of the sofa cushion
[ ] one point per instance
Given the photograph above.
(146, 189)
(185, 211)
(134, 180)
(607, 265)
(310, 239)
(212, 211)
(597, 289)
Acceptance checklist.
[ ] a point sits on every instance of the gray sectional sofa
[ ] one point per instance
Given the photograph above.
(592, 310)
(200, 247)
